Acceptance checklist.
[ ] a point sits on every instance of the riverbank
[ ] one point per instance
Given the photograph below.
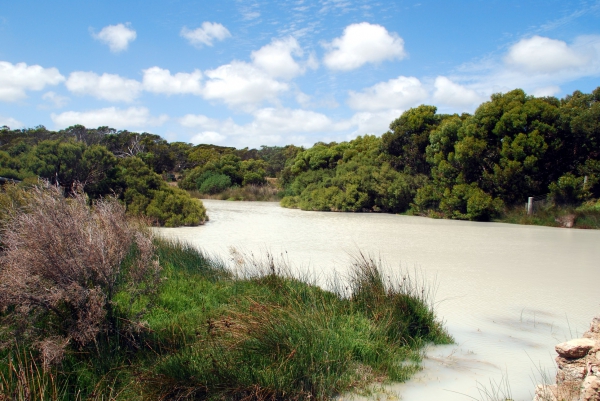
(586, 216)
(500, 288)
(578, 376)
(161, 320)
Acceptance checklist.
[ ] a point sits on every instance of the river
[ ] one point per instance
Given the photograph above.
(507, 293)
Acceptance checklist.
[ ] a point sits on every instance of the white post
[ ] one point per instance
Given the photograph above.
(530, 206)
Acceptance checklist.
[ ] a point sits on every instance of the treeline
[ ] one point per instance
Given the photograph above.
(134, 167)
(458, 166)
(105, 163)
(468, 166)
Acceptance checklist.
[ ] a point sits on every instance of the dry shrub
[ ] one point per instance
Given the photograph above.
(63, 261)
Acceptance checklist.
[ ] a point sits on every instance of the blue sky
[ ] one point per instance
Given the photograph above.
(251, 73)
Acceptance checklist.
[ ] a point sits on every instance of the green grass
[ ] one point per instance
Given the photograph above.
(257, 335)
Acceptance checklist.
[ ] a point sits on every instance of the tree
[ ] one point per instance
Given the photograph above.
(408, 137)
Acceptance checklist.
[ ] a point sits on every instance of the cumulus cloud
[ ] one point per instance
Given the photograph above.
(539, 65)
(546, 91)
(544, 55)
(109, 87)
(277, 58)
(268, 126)
(363, 43)
(278, 125)
(241, 84)
(132, 117)
(10, 122)
(16, 79)
(206, 34)
(398, 93)
(55, 99)
(454, 95)
(160, 80)
(209, 137)
(371, 122)
(117, 37)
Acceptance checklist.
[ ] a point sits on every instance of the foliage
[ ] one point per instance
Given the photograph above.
(211, 183)
(147, 194)
(408, 137)
(457, 166)
(78, 156)
(63, 264)
(222, 170)
(513, 147)
(349, 176)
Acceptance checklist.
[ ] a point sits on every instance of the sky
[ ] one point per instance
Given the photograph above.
(250, 73)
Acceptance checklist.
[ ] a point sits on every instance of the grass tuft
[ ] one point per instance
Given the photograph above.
(254, 333)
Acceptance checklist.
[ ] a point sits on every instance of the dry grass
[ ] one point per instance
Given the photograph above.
(261, 193)
(62, 264)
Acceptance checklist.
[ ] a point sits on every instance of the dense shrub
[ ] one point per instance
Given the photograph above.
(468, 202)
(62, 265)
(211, 182)
(147, 194)
(568, 190)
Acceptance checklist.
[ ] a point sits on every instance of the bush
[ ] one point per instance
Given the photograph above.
(173, 207)
(568, 190)
(63, 264)
(212, 183)
(469, 202)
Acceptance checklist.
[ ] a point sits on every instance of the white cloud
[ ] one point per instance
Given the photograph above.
(363, 43)
(269, 126)
(160, 80)
(117, 37)
(277, 58)
(291, 120)
(209, 137)
(371, 122)
(457, 96)
(109, 87)
(16, 79)
(544, 55)
(538, 65)
(133, 117)
(398, 93)
(546, 91)
(10, 122)
(241, 84)
(56, 100)
(206, 34)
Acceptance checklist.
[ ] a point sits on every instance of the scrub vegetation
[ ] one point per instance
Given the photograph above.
(92, 306)
(481, 166)
(470, 167)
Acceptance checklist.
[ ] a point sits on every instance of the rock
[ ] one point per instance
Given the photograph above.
(570, 373)
(595, 326)
(575, 348)
(590, 389)
(566, 221)
(546, 392)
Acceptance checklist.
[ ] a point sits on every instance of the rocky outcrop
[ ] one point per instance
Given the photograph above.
(578, 376)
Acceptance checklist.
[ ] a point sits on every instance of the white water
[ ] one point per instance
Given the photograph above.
(507, 293)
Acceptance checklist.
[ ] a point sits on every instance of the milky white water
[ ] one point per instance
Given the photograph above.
(507, 293)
